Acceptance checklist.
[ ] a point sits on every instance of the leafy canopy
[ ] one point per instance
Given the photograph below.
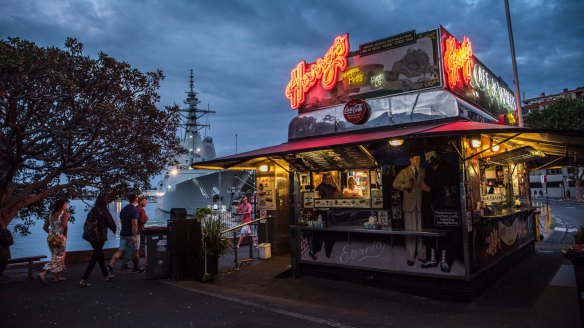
(72, 125)
(564, 114)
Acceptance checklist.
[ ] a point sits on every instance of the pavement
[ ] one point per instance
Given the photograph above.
(539, 291)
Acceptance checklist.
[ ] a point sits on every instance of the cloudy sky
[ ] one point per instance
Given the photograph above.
(243, 50)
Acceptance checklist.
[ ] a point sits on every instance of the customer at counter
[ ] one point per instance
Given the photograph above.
(328, 188)
(351, 190)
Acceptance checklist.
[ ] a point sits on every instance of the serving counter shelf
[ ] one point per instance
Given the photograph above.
(505, 212)
(355, 229)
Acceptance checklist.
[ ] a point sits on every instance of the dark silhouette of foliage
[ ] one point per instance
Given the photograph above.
(74, 126)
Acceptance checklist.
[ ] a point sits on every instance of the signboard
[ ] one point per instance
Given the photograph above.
(392, 42)
(325, 70)
(543, 179)
(267, 193)
(356, 111)
(447, 218)
(467, 77)
(398, 64)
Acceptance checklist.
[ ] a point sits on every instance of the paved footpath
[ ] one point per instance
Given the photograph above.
(539, 292)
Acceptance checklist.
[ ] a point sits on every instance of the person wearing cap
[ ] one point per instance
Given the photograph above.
(408, 180)
(440, 188)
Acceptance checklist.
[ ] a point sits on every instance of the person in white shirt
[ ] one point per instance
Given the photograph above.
(352, 191)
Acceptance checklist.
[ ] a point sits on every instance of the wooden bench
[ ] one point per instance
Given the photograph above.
(30, 260)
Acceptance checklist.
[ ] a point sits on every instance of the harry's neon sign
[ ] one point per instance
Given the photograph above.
(303, 77)
(458, 62)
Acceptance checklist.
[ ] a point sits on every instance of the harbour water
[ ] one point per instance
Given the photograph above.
(36, 242)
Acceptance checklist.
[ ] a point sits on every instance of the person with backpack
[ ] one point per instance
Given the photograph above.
(98, 221)
(129, 236)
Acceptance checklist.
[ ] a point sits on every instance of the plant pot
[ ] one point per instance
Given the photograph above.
(212, 264)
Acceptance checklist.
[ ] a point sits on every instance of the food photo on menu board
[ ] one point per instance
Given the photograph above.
(266, 193)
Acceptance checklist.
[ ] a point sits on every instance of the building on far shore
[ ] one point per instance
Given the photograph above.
(559, 180)
(543, 101)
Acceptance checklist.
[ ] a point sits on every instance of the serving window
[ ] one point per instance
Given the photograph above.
(341, 188)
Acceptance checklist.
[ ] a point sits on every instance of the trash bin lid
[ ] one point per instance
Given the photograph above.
(155, 230)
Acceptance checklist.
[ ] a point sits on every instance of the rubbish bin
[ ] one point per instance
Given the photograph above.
(576, 255)
(178, 214)
(184, 243)
(157, 255)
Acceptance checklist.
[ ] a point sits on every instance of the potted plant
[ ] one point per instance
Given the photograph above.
(215, 243)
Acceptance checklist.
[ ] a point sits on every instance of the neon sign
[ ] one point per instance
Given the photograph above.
(304, 77)
(482, 80)
(458, 61)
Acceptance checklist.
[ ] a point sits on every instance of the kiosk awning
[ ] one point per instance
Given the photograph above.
(564, 145)
(246, 160)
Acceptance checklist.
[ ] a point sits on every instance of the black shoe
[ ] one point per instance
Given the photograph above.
(138, 270)
(125, 266)
(111, 271)
(429, 264)
(410, 263)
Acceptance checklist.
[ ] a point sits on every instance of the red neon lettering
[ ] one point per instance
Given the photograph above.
(326, 69)
(458, 61)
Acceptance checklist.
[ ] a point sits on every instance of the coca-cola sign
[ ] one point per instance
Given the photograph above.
(356, 111)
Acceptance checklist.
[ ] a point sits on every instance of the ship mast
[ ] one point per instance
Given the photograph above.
(192, 135)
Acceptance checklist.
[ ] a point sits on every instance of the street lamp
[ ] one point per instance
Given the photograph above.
(515, 75)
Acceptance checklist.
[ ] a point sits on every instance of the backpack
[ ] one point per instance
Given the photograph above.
(90, 228)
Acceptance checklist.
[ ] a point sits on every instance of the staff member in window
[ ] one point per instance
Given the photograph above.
(352, 191)
(328, 188)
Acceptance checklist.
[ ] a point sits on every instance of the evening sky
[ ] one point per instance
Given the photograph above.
(242, 51)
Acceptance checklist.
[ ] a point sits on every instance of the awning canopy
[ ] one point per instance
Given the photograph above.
(565, 148)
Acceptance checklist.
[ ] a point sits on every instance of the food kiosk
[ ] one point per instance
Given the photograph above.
(420, 103)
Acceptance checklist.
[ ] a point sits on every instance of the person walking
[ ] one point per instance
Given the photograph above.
(56, 228)
(142, 219)
(103, 220)
(129, 236)
(244, 209)
(408, 180)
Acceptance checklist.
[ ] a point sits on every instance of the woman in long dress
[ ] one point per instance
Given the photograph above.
(56, 225)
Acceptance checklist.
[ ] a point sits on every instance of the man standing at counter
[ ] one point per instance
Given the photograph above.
(328, 188)
(408, 180)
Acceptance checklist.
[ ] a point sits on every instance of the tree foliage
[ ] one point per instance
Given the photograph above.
(73, 125)
(564, 114)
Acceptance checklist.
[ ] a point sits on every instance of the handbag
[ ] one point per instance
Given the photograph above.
(54, 241)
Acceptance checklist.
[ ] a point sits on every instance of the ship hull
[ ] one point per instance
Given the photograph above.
(214, 189)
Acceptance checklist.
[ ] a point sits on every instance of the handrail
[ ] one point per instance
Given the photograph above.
(244, 224)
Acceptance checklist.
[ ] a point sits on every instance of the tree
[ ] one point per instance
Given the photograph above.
(563, 114)
(71, 126)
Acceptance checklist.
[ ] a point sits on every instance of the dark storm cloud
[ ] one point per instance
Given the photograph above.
(242, 51)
